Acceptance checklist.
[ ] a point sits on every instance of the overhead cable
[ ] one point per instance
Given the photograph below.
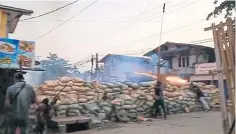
(47, 13)
(66, 21)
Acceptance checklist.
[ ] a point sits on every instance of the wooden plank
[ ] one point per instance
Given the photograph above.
(224, 53)
(221, 83)
(216, 26)
(3, 24)
(72, 120)
(231, 39)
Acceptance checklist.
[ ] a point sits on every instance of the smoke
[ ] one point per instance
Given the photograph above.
(55, 67)
(118, 68)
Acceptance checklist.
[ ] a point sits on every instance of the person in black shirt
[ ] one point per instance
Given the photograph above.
(200, 96)
(159, 99)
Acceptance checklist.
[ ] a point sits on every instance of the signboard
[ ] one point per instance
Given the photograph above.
(12, 51)
(204, 68)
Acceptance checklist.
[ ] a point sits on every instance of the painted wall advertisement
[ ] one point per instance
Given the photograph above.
(12, 51)
(204, 68)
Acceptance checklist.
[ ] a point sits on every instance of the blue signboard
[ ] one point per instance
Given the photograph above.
(12, 51)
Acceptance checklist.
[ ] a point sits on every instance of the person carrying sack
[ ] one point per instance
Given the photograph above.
(19, 98)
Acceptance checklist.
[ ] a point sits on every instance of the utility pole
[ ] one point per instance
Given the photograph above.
(96, 66)
(159, 47)
(92, 68)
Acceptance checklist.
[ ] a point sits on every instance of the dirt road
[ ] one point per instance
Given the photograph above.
(192, 123)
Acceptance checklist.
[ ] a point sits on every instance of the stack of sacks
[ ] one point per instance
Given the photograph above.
(75, 92)
(84, 98)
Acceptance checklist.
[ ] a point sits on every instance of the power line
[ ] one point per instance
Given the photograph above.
(57, 9)
(152, 36)
(156, 35)
(144, 12)
(158, 15)
(66, 20)
(192, 42)
(133, 22)
(87, 59)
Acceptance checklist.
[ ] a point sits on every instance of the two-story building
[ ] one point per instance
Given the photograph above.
(183, 58)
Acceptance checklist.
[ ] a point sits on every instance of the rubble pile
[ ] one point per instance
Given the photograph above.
(132, 99)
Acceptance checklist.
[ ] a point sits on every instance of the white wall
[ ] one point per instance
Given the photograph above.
(184, 70)
(175, 62)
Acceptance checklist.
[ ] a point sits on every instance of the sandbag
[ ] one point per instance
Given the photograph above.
(74, 112)
(50, 93)
(62, 112)
(70, 83)
(64, 79)
(45, 88)
(82, 97)
(67, 89)
(74, 106)
(91, 107)
(110, 85)
(50, 83)
(82, 100)
(116, 90)
(78, 80)
(90, 98)
(78, 84)
(62, 107)
(129, 106)
(95, 120)
(122, 116)
(106, 109)
(146, 84)
(104, 103)
(58, 88)
(108, 90)
(90, 93)
(102, 116)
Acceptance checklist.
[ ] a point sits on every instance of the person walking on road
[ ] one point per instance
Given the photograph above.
(200, 96)
(19, 98)
(159, 100)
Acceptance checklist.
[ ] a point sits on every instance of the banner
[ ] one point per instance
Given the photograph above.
(204, 68)
(12, 51)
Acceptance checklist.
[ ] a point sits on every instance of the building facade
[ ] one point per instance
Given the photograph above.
(182, 58)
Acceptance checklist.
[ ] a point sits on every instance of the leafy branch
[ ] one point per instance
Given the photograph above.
(228, 6)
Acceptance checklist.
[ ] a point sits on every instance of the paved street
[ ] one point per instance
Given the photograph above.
(192, 123)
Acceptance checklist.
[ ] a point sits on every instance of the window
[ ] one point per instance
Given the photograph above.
(187, 61)
(183, 61)
(179, 62)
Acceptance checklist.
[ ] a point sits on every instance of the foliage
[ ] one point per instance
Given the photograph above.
(58, 67)
(227, 6)
(55, 67)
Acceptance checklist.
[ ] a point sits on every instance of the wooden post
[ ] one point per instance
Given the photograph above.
(224, 41)
(3, 24)
(220, 83)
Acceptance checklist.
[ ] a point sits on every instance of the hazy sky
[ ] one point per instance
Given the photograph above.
(111, 26)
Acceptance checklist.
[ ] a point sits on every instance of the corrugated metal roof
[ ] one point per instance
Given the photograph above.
(128, 56)
(20, 10)
(14, 15)
(174, 43)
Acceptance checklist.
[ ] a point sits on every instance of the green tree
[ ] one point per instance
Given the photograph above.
(228, 6)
